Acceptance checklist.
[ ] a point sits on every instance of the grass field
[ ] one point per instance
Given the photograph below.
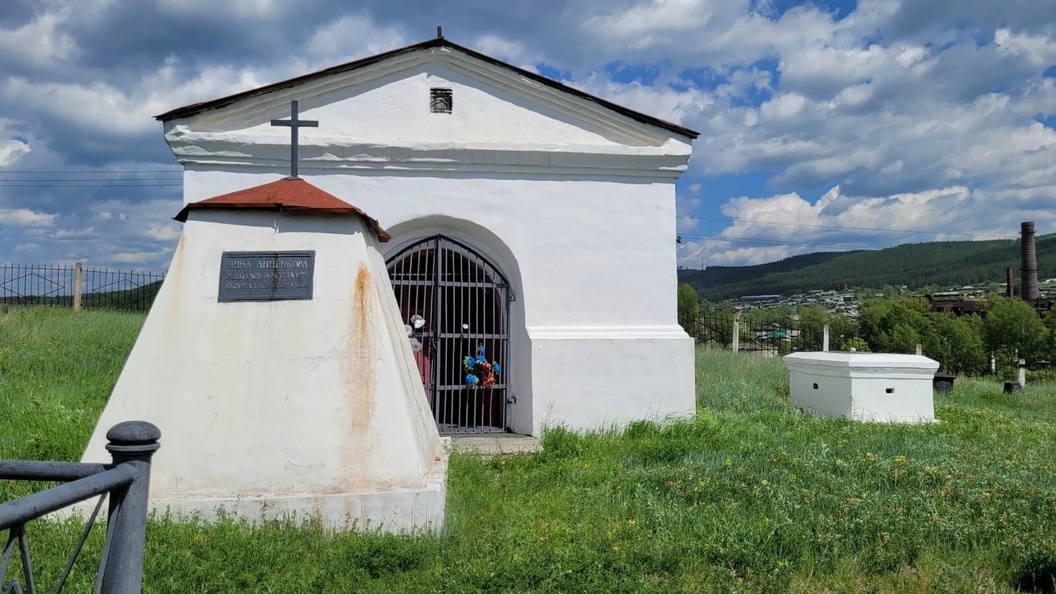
(748, 496)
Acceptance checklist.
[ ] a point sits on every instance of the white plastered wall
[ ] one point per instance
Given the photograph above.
(573, 202)
(592, 266)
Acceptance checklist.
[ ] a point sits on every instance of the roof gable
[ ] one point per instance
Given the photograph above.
(437, 43)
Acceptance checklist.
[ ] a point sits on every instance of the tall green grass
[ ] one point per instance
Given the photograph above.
(57, 369)
(749, 496)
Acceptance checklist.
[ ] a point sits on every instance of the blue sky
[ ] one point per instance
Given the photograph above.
(825, 125)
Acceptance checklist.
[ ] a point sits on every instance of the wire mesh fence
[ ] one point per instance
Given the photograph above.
(78, 287)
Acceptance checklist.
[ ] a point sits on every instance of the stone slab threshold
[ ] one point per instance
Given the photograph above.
(496, 445)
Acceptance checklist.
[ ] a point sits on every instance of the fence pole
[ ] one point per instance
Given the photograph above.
(78, 273)
(1022, 372)
(134, 443)
(920, 350)
(737, 332)
(825, 339)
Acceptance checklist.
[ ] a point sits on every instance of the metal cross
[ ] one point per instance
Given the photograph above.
(294, 124)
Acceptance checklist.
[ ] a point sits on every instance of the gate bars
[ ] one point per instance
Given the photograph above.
(464, 300)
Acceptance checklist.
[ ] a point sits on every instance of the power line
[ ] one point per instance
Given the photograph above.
(141, 180)
(90, 184)
(88, 171)
(28, 180)
(114, 178)
(850, 228)
(776, 242)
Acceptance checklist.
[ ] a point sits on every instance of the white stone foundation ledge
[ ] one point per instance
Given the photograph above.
(398, 511)
(602, 377)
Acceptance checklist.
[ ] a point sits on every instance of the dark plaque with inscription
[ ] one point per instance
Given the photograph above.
(266, 276)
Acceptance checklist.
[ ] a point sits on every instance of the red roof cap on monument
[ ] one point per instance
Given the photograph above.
(291, 194)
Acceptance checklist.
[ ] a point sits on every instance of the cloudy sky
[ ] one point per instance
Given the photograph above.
(829, 125)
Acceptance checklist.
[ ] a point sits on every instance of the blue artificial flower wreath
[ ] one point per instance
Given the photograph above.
(480, 372)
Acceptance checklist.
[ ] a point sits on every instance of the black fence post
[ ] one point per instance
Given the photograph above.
(133, 443)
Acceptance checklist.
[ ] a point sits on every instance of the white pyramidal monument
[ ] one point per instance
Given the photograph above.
(277, 367)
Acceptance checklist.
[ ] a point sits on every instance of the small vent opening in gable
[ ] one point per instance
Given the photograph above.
(440, 100)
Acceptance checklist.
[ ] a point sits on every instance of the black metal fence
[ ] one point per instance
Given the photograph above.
(768, 338)
(126, 482)
(78, 287)
(779, 338)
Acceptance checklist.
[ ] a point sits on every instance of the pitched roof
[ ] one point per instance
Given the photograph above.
(438, 42)
(291, 194)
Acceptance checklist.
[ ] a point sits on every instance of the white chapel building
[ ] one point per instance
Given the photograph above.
(527, 219)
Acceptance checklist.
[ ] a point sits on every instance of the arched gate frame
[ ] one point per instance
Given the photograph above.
(465, 303)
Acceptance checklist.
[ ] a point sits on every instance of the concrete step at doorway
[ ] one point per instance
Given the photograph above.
(496, 445)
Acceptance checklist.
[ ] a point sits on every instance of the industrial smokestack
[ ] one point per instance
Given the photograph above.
(1009, 291)
(1029, 264)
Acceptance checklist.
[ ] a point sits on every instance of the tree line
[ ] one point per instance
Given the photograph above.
(919, 265)
(1010, 330)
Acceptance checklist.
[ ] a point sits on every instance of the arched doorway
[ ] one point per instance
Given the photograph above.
(463, 301)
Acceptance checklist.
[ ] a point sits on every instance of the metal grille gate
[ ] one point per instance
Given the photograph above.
(464, 301)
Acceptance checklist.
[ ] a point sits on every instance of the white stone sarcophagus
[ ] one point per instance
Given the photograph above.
(870, 387)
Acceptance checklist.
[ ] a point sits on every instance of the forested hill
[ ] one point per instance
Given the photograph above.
(917, 265)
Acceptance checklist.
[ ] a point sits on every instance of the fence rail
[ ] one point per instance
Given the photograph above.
(78, 287)
(773, 339)
(730, 332)
(125, 482)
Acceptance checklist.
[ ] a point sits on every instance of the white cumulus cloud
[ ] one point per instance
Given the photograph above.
(24, 217)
